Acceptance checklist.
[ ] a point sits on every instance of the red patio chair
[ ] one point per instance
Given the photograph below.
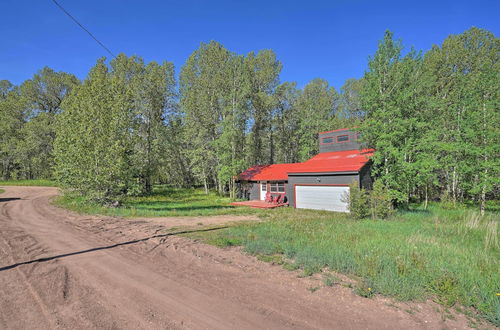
(269, 197)
(278, 199)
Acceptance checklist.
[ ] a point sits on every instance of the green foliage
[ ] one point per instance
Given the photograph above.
(380, 201)
(110, 135)
(363, 289)
(316, 109)
(43, 94)
(433, 119)
(330, 280)
(420, 254)
(358, 201)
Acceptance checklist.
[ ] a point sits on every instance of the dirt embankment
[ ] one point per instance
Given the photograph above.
(63, 270)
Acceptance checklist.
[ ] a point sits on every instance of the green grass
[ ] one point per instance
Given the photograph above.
(450, 256)
(164, 202)
(38, 182)
(2, 191)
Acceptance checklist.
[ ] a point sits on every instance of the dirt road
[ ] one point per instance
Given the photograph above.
(63, 270)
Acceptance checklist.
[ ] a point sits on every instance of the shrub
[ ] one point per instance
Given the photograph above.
(358, 201)
(380, 201)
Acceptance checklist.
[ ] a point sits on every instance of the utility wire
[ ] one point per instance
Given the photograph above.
(80, 25)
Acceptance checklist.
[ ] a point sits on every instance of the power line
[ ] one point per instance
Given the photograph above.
(80, 25)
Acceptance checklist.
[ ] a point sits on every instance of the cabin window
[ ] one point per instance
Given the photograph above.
(278, 187)
(327, 140)
(342, 138)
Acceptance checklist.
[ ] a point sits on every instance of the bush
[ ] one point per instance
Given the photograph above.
(380, 201)
(358, 201)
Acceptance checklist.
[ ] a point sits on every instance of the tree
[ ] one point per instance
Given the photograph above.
(393, 95)
(285, 119)
(263, 72)
(93, 145)
(153, 88)
(316, 110)
(350, 100)
(13, 110)
(201, 84)
(44, 94)
(465, 76)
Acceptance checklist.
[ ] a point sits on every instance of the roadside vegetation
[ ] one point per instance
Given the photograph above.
(163, 202)
(37, 182)
(448, 255)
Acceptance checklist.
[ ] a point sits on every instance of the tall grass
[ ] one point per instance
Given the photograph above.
(37, 182)
(451, 256)
(163, 202)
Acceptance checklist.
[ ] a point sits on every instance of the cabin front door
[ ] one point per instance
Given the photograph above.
(263, 191)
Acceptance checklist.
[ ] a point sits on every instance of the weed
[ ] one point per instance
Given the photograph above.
(273, 259)
(313, 289)
(364, 290)
(491, 237)
(330, 280)
(224, 242)
(290, 266)
(445, 288)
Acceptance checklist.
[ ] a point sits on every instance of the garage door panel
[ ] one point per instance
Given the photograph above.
(329, 198)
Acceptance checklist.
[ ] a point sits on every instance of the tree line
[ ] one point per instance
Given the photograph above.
(129, 124)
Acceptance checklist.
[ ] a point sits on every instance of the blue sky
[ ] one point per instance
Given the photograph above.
(326, 39)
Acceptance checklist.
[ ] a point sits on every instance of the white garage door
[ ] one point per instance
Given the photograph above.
(329, 198)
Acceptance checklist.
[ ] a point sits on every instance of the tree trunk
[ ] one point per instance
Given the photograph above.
(426, 197)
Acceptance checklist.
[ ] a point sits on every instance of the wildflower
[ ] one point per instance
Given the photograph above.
(369, 289)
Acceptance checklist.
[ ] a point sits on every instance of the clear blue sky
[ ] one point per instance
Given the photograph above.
(327, 39)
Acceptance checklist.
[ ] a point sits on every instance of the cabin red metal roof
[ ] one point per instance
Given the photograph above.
(274, 172)
(337, 161)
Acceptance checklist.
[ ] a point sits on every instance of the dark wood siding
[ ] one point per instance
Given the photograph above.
(351, 144)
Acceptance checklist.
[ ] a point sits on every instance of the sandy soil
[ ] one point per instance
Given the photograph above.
(63, 270)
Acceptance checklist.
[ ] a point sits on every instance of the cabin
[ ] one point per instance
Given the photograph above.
(319, 183)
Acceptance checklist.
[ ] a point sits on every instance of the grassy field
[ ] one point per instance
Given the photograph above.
(164, 202)
(451, 256)
(38, 182)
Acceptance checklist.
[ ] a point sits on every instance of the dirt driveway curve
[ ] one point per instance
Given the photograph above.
(63, 270)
